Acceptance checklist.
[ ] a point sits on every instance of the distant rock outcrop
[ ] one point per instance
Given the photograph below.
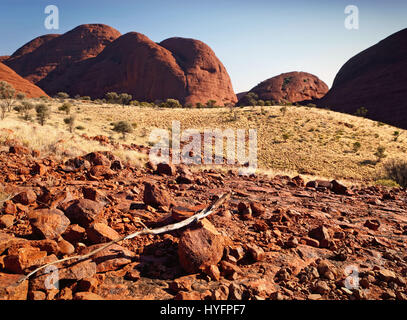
(36, 59)
(289, 87)
(19, 83)
(375, 79)
(4, 58)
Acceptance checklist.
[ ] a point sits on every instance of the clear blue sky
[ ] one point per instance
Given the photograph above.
(254, 39)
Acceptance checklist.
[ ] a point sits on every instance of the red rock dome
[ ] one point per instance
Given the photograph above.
(292, 87)
(19, 83)
(375, 79)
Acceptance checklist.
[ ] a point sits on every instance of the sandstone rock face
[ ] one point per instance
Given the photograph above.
(19, 83)
(206, 77)
(374, 79)
(32, 45)
(183, 69)
(4, 58)
(35, 60)
(292, 87)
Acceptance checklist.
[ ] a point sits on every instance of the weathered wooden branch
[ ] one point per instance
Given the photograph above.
(187, 222)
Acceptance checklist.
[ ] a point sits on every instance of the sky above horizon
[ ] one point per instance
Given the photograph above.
(255, 40)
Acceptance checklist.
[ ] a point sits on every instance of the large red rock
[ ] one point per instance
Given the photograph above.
(155, 196)
(183, 69)
(375, 79)
(32, 45)
(20, 84)
(289, 87)
(10, 289)
(200, 248)
(48, 223)
(38, 58)
(206, 77)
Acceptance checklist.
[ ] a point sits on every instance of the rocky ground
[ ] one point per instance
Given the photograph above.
(276, 238)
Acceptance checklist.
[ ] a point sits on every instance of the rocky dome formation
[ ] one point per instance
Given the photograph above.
(292, 87)
(206, 77)
(35, 60)
(19, 83)
(240, 95)
(375, 79)
(33, 45)
(182, 69)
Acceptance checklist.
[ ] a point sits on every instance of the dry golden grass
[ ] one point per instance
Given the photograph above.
(309, 141)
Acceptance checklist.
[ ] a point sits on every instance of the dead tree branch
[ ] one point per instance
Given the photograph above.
(187, 222)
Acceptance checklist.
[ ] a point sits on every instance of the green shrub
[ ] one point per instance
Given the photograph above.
(396, 170)
(25, 109)
(70, 122)
(66, 107)
(387, 183)
(173, 103)
(380, 153)
(20, 96)
(123, 127)
(361, 112)
(356, 146)
(211, 103)
(7, 96)
(43, 112)
(123, 98)
(62, 95)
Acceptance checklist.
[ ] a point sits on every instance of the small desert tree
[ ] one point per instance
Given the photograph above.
(125, 98)
(173, 103)
(122, 127)
(112, 97)
(20, 96)
(283, 110)
(7, 96)
(380, 153)
(43, 113)
(361, 112)
(62, 95)
(25, 109)
(211, 103)
(70, 122)
(66, 107)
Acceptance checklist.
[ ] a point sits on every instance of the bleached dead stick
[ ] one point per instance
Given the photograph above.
(191, 220)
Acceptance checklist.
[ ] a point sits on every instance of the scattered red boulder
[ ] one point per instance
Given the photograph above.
(199, 248)
(156, 196)
(48, 223)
